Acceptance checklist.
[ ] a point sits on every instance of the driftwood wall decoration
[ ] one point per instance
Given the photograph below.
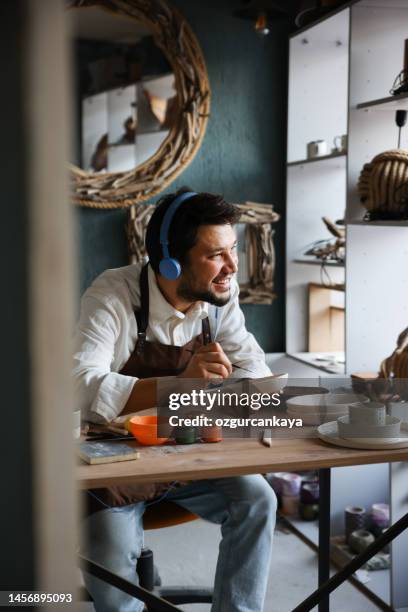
(174, 37)
(258, 219)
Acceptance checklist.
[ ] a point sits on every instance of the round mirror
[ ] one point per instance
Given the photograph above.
(142, 97)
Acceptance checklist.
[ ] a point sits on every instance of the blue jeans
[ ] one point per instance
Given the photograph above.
(244, 506)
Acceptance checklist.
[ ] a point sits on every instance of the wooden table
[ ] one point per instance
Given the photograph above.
(234, 457)
(231, 457)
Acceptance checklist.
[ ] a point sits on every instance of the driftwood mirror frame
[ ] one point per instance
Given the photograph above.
(259, 247)
(174, 37)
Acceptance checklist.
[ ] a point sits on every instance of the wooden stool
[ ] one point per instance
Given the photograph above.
(158, 516)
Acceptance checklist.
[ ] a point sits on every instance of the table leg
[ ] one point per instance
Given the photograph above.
(348, 570)
(154, 603)
(324, 535)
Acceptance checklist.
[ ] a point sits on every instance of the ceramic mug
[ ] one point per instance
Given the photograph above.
(371, 413)
(340, 143)
(316, 148)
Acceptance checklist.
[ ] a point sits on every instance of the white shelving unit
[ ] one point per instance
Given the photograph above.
(318, 83)
(316, 262)
(399, 102)
(314, 160)
(341, 73)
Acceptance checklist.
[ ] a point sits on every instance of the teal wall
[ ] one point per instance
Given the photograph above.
(243, 152)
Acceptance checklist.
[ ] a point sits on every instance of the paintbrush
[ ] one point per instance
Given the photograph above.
(234, 365)
(108, 437)
(266, 439)
(108, 428)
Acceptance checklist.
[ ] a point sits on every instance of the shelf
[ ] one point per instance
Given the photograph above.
(318, 262)
(316, 360)
(312, 160)
(390, 103)
(381, 253)
(379, 223)
(309, 529)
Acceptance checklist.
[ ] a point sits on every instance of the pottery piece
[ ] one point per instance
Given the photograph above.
(370, 413)
(390, 430)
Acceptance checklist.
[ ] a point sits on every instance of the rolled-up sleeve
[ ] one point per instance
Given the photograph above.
(101, 392)
(238, 344)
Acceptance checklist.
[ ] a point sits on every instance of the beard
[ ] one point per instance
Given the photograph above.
(191, 292)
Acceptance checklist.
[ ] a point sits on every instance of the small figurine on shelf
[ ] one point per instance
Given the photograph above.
(332, 249)
(400, 84)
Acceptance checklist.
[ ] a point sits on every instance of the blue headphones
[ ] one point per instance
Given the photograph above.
(169, 267)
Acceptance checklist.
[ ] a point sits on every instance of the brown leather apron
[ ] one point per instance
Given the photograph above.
(149, 359)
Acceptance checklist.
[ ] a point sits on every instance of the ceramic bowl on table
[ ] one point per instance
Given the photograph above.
(297, 391)
(269, 384)
(369, 413)
(316, 418)
(316, 409)
(299, 411)
(144, 429)
(365, 431)
(324, 402)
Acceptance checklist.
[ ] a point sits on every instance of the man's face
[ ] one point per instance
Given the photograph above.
(211, 262)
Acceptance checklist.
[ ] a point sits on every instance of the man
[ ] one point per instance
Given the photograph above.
(177, 316)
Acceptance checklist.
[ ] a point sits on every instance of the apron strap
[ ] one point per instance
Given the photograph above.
(142, 315)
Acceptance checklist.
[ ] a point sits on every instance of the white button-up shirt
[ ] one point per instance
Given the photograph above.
(106, 336)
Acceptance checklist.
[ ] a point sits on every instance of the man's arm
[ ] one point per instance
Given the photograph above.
(142, 396)
(103, 394)
(207, 363)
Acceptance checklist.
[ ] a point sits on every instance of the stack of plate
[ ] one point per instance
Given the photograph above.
(316, 409)
(329, 432)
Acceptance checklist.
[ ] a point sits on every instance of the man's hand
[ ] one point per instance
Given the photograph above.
(209, 361)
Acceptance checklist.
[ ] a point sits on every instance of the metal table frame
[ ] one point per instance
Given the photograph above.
(326, 585)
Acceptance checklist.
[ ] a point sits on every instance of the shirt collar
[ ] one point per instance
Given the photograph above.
(160, 310)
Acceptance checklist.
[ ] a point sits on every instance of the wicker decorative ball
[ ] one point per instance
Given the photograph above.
(395, 366)
(383, 186)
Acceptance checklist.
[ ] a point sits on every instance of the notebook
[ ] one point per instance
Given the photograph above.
(106, 452)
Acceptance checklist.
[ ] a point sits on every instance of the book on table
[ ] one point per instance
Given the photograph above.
(106, 452)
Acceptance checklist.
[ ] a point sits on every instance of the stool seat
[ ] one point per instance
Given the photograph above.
(166, 514)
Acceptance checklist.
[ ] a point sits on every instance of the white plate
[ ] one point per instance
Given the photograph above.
(313, 418)
(315, 410)
(328, 432)
(330, 402)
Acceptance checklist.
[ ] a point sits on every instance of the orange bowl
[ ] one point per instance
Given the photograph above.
(144, 429)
